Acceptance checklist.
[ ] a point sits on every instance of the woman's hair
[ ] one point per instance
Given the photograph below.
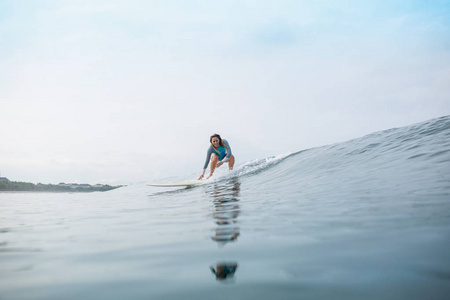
(220, 139)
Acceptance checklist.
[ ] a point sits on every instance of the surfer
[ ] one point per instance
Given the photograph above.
(219, 152)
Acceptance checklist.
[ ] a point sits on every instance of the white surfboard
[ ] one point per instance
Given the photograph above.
(184, 183)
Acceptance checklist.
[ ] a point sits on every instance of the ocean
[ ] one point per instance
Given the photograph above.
(363, 219)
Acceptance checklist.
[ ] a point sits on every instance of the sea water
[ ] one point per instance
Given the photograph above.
(364, 219)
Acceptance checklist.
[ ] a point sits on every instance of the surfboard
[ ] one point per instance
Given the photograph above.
(184, 183)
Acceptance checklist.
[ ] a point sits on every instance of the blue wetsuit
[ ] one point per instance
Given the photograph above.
(221, 152)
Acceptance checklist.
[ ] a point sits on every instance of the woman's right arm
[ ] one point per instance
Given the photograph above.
(208, 157)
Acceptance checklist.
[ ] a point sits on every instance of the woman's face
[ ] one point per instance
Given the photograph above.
(215, 142)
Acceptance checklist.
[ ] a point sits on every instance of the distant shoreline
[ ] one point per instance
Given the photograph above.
(43, 192)
(28, 187)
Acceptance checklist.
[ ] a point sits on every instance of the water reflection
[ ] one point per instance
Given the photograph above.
(224, 270)
(225, 197)
(226, 210)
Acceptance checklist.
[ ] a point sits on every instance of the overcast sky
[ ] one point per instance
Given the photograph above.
(109, 91)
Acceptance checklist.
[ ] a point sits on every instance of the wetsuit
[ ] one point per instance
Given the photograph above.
(222, 152)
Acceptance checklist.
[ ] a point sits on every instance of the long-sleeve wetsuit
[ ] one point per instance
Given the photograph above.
(222, 152)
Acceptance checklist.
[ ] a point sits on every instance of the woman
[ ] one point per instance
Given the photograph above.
(218, 153)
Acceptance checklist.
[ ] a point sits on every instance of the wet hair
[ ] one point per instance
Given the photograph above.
(220, 139)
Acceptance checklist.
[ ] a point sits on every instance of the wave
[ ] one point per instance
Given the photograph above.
(395, 156)
(382, 156)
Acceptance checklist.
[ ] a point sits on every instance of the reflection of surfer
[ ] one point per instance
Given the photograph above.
(226, 211)
(226, 215)
(224, 270)
(218, 153)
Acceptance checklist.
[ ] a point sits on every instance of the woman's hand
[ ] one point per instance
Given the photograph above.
(201, 176)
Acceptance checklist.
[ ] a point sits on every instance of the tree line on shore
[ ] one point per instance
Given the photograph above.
(17, 186)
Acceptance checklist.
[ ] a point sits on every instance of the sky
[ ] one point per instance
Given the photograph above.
(129, 91)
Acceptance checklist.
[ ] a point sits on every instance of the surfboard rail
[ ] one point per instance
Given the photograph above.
(183, 183)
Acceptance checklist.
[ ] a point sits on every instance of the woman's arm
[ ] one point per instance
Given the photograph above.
(208, 157)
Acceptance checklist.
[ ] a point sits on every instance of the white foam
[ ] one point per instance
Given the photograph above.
(249, 167)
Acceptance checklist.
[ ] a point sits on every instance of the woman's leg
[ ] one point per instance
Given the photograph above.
(231, 162)
(213, 161)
